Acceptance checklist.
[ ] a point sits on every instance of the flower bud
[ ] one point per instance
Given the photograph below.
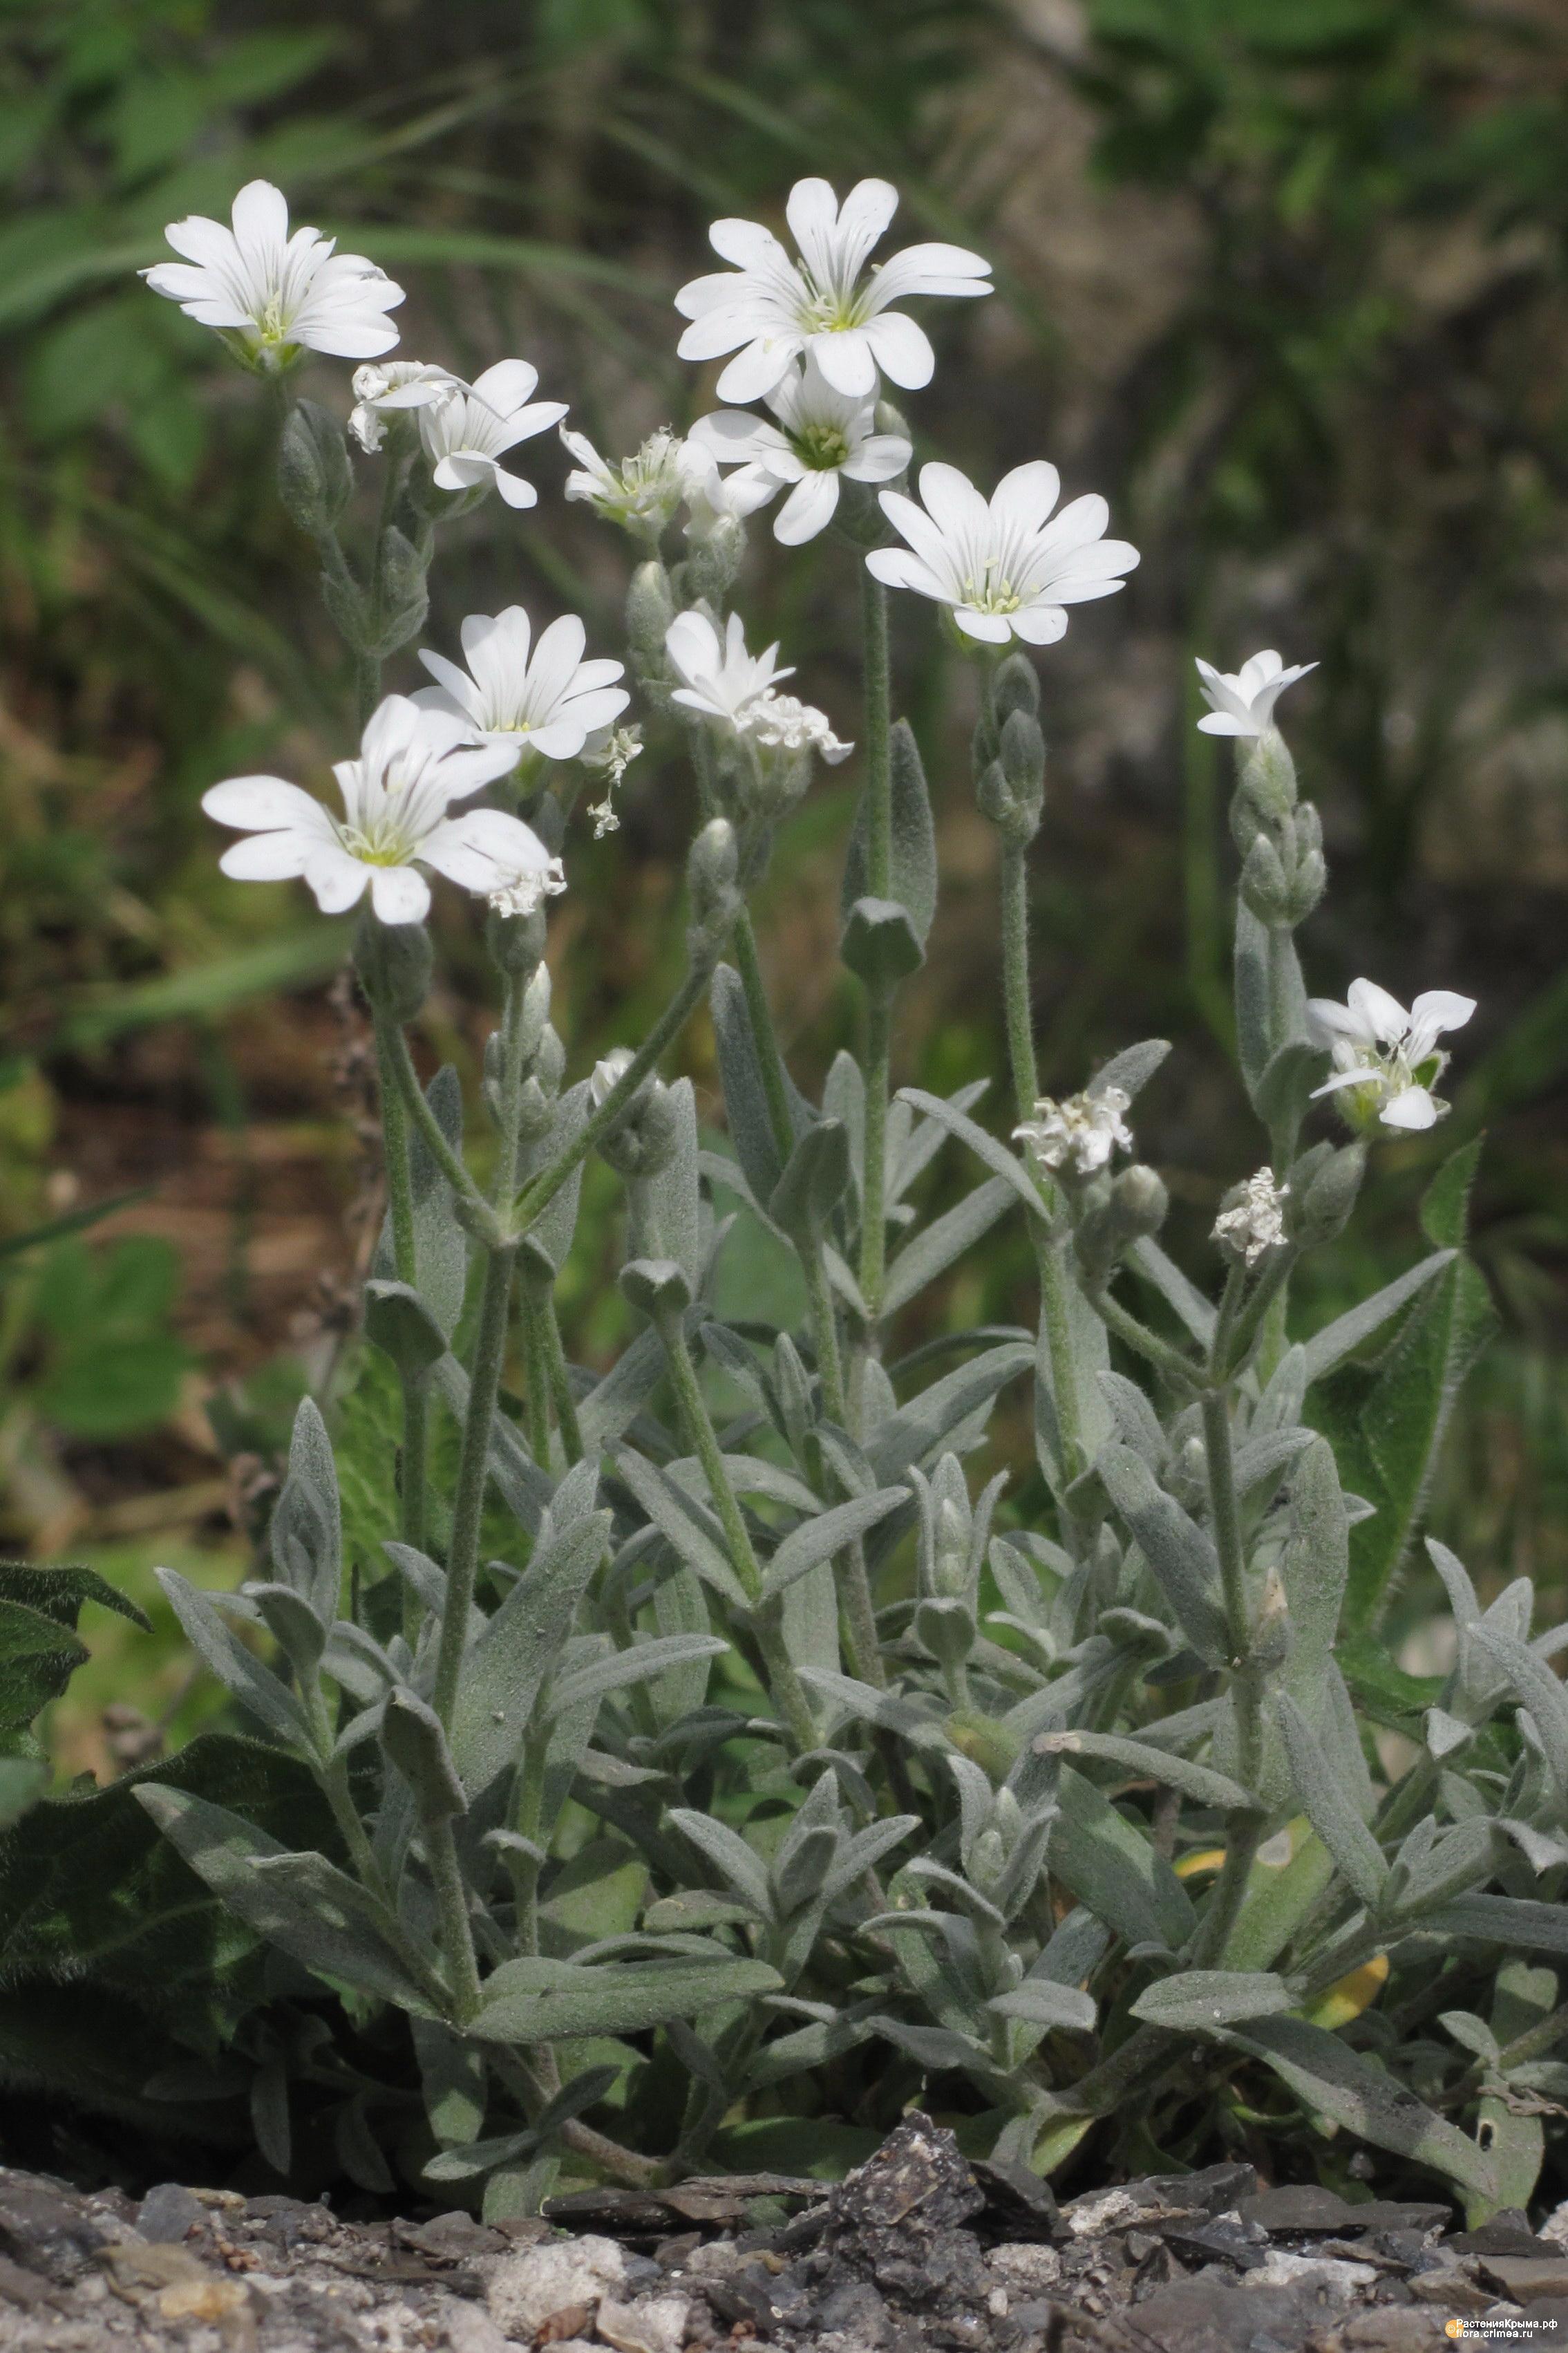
(394, 962)
(1139, 1202)
(1015, 688)
(1264, 887)
(516, 943)
(1324, 1191)
(644, 1140)
(712, 872)
(650, 609)
(315, 480)
(713, 561)
(1268, 773)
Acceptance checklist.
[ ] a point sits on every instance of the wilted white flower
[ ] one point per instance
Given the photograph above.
(717, 503)
(528, 889)
(1002, 570)
(412, 765)
(1255, 1224)
(549, 701)
(822, 436)
(1244, 705)
(274, 293)
(610, 754)
(1079, 1135)
(770, 308)
(470, 429)
(782, 723)
(1386, 1061)
(718, 678)
(390, 387)
(641, 493)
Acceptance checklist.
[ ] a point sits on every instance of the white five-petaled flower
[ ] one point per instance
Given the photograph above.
(642, 492)
(1255, 1222)
(1243, 704)
(771, 308)
(1079, 1135)
(275, 292)
(782, 723)
(718, 504)
(388, 387)
(821, 435)
(547, 699)
(1386, 1061)
(470, 429)
(412, 765)
(718, 678)
(1002, 569)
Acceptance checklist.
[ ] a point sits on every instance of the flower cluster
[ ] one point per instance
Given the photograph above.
(1253, 1223)
(1076, 1137)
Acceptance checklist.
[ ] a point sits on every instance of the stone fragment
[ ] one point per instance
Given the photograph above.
(527, 2286)
(652, 2324)
(1024, 2269)
(468, 2329)
(169, 2212)
(1335, 2282)
(46, 2228)
(1528, 2279)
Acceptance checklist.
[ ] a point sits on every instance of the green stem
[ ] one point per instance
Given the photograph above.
(468, 1510)
(1266, 1305)
(1016, 1000)
(1166, 1360)
(874, 1205)
(879, 722)
(770, 1054)
(536, 1366)
(560, 1374)
(787, 1691)
(413, 1097)
(413, 1466)
(452, 1909)
(541, 1190)
(1243, 1829)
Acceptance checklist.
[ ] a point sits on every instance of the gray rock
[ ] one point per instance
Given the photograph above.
(46, 2228)
(169, 2213)
(527, 2289)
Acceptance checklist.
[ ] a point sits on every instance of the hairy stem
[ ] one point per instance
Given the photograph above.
(452, 1910)
(1243, 1829)
(468, 1510)
(413, 1466)
(787, 1690)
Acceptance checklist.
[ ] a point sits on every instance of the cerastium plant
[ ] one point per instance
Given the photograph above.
(774, 1774)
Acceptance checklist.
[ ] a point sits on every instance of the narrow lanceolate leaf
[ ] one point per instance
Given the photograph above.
(1111, 1867)
(503, 1670)
(1040, 2001)
(997, 1156)
(1356, 1854)
(1335, 2082)
(1506, 1920)
(820, 1538)
(689, 1528)
(1166, 1277)
(1199, 1782)
(914, 871)
(544, 2001)
(1349, 1331)
(1132, 1069)
(299, 1902)
(740, 1866)
(641, 1664)
(1203, 2000)
(740, 1074)
(934, 1247)
(259, 1690)
(1180, 1554)
(1540, 1690)
(922, 1425)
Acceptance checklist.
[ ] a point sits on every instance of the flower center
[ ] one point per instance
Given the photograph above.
(823, 447)
(272, 326)
(828, 314)
(387, 844)
(991, 591)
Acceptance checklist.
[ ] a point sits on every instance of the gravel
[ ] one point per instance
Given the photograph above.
(917, 2250)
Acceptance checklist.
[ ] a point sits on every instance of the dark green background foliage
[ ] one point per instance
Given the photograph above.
(1285, 278)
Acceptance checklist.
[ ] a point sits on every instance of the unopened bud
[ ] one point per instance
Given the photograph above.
(712, 872)
(650, 609)
(1268, 772)
(1264, 887)
(394, 962)
(516, 943)
(315, 479)
(1015, 687)
(1324, 1191)
(1139, 1202)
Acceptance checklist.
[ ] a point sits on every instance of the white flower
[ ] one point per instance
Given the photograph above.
(717, 503)
(413, 765)
(607, 1074)
(822, 434)
(782, 723)
(274, 292)
(1244, 705)
(550, 701)
(390, 387)
(1079, 1135)
(528, 889)
(610, 752)
(642, 492)
(1386, 1061)
(769, 307)
(472, 426)
(1001, 568)
(719, 679)
(1255, 1224)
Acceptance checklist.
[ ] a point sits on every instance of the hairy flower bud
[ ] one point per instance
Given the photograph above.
(712, 877)
(516, 943)
(1324, 1185)
(650, 609)
(394, 962)
(315, 480)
